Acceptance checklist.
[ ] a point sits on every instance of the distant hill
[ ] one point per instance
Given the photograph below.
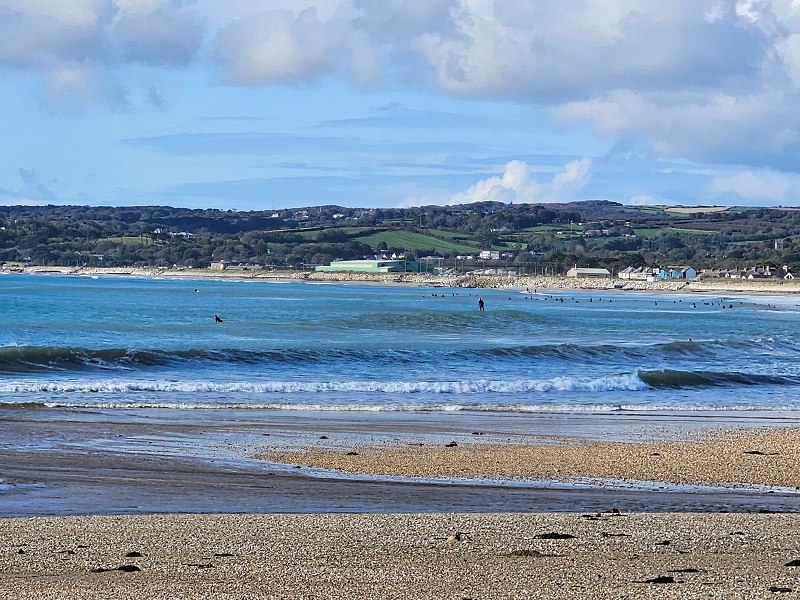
(529, 237)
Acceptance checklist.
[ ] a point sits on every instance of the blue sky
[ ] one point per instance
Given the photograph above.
(256, 105)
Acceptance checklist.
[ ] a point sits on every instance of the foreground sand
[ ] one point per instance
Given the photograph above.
(606, 555)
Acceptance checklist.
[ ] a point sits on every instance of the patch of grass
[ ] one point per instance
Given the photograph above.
(313, 234)
(652, 208)
(135, 240)
(455, 236)
(647, 232)
(694, 231)
(413, 241)
(694, 210)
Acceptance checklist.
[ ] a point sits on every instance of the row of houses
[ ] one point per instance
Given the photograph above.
(225, 265)
(688, 273)
(640, 273)
(765, 272)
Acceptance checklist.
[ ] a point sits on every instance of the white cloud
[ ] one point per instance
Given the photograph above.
(789, 51)
(714, 81)
(155, 33)
(70, 88)
(517, 184)
(759, 129)
(759, 186)
(94, 40)
(40, 34)
(700, 79)
(546, 52)
(277, 46)
(572, 177)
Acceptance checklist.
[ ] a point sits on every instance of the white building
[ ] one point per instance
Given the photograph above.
(586, 272)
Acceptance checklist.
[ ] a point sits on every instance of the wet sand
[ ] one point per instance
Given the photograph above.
(302, 532)
(73, 462)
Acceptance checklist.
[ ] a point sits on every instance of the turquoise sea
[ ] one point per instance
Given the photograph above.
(117, 343)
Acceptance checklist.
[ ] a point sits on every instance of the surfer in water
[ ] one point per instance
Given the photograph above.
(217, 319)
(480, 303)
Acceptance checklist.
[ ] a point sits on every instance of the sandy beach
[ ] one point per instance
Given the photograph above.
(342, 536)
(766, 457)
(594, 555)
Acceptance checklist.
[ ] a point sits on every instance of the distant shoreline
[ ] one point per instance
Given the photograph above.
(520, 282)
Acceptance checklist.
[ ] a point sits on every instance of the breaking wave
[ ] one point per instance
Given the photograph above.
(45, 359)
(558, 384)
(639, 381)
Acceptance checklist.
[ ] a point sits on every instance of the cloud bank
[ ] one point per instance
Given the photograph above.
(706, 80)
(710, 81)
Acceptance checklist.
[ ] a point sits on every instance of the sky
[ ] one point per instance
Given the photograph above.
(268, 104)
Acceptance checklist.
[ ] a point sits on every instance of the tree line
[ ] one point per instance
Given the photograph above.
(531, 237)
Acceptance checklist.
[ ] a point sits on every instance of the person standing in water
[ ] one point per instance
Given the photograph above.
(480, 304)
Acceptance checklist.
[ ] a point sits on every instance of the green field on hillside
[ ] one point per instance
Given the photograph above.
(313, 234)
(455, 236)
(646, 232)
(134, 240)
(414, 241)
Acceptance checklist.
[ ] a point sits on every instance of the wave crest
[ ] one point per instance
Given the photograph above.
(39, 359)
(557, 384)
